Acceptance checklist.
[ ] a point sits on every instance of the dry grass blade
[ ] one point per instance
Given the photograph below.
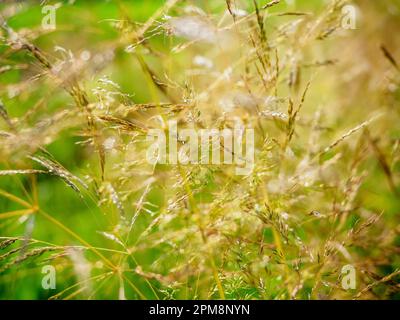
(57, 170)
(349, 133)
(390, 57)
(6, 243)
(271, 4)
(374, 284)
(30, 254)
(26, 171)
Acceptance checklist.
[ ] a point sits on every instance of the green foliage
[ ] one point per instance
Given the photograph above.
(77, 193)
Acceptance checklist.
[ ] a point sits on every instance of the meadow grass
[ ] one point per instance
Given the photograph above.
(77, 193)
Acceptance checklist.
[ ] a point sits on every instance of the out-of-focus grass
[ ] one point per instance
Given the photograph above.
(85, 26)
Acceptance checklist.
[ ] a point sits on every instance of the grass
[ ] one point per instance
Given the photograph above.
(77, 193)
